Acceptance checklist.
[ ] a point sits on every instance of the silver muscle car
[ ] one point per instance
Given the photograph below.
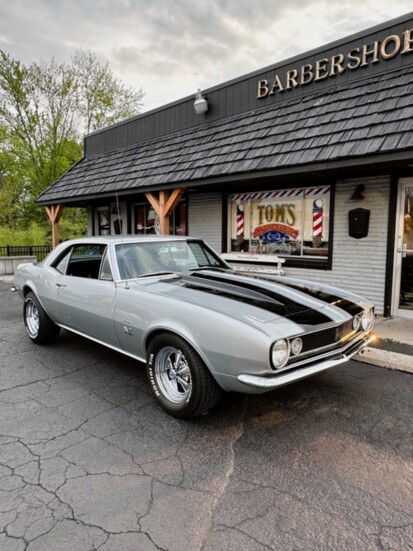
(199, 325)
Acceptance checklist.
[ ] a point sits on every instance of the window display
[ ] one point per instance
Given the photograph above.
(147, 221)
(293, 222)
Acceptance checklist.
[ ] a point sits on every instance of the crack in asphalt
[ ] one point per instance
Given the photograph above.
(130, 441)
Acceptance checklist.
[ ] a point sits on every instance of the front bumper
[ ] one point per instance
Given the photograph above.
(287, 377)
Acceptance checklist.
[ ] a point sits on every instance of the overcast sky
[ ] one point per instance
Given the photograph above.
(173, 47)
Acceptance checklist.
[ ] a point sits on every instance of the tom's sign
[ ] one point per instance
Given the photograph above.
(337, 64)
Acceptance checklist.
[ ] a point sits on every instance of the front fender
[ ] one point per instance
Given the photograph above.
(226, 346)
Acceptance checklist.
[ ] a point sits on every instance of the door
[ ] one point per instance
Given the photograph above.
(403, 288)
(85, 292)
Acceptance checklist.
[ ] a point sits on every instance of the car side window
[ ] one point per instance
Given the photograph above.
(61, 265)
(105, 271)
(81, 261)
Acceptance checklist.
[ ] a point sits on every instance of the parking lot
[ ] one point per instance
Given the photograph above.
(88, 461)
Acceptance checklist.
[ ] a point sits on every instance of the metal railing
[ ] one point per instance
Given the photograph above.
(39, 251)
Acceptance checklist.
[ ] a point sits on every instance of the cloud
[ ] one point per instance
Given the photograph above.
(172, 48)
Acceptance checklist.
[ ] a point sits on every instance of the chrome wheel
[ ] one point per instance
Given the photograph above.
(180, 381)
(32, 319)
(172, 374)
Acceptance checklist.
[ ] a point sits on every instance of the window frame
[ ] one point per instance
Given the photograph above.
(292, 261)
(68, 252)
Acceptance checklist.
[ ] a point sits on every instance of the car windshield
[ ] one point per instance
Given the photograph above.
(164, 257)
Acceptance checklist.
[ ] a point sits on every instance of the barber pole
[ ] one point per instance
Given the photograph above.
(318, 219)
(240, 220)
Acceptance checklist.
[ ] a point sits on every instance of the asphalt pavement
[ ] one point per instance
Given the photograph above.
(88, 461)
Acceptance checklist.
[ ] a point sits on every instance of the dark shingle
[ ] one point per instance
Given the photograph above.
(357, 118)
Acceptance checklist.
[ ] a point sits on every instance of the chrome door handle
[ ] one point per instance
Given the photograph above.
(60, 285)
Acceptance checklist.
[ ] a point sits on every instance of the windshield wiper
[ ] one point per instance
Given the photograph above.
(158, 274)
(207, 267)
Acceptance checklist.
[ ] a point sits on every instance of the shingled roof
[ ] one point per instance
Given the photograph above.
(360, 119)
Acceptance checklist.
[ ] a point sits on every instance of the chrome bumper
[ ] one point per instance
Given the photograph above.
(292, 376)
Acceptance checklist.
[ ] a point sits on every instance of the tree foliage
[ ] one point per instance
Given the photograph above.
(45, 109)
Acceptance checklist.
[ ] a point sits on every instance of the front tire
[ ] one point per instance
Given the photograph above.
(39, 326)
(179, 379)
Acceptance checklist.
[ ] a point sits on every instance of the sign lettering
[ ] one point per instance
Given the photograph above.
(325, 68)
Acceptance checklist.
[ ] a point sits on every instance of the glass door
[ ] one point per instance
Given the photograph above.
(403, 297)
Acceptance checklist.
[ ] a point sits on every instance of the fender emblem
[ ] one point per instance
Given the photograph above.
(127, 330)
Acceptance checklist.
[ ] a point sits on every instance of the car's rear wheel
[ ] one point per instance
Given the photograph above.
(39, 326)
(179, 379)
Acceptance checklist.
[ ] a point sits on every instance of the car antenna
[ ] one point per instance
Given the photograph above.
(121, 239)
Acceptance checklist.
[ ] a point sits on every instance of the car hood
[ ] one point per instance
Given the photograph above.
(263, 297)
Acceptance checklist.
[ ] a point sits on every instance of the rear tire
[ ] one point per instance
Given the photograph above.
(180, 381)
(39, 326)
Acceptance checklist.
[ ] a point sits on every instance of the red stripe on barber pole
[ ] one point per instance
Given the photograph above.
(240, 221)
(317, 223)
(240, 226)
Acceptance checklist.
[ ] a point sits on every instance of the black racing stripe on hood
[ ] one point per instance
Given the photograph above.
(260, 298)
(345, 304)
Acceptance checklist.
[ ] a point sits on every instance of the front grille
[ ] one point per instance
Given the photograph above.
(345, 329)
(326, 337)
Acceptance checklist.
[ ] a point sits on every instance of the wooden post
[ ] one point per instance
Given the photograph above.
(164, 206)
(164, 216)
(54, 212)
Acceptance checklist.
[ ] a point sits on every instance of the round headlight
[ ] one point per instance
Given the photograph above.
(279, 353)
(367, 320)
(296, 346)
(356, 323)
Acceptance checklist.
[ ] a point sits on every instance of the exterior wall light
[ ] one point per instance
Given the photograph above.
(200, 103)
(358, 193)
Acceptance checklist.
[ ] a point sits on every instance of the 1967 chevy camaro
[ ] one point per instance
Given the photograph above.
(199, 325)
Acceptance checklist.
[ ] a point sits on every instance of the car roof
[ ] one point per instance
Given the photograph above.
(121, 239)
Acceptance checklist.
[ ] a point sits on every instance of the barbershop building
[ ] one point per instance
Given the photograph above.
(309, 160)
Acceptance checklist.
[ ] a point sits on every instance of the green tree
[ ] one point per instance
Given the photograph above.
(102, 99)
(45, 108)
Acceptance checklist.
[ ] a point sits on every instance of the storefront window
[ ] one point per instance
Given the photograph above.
(147, 221)
(103, 221)
(290, 223)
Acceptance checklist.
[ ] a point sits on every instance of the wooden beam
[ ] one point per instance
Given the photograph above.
(54, 212)
(173, 200)
(164, 206)
(153, 202)
(164, 217)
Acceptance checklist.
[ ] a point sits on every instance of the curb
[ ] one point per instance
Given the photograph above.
(385, 358)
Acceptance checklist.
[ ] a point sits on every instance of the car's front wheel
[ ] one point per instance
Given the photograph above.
(39, 326)
(179, 379)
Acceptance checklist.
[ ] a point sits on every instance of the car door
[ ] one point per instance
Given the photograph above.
(85, 293)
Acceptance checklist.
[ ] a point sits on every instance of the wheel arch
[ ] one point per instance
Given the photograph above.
(159, 330)
(28, 288)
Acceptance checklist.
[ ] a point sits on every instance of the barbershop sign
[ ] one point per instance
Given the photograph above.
(328, 67)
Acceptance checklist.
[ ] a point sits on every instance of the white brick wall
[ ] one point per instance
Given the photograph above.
(359, 265)
(205, 218)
